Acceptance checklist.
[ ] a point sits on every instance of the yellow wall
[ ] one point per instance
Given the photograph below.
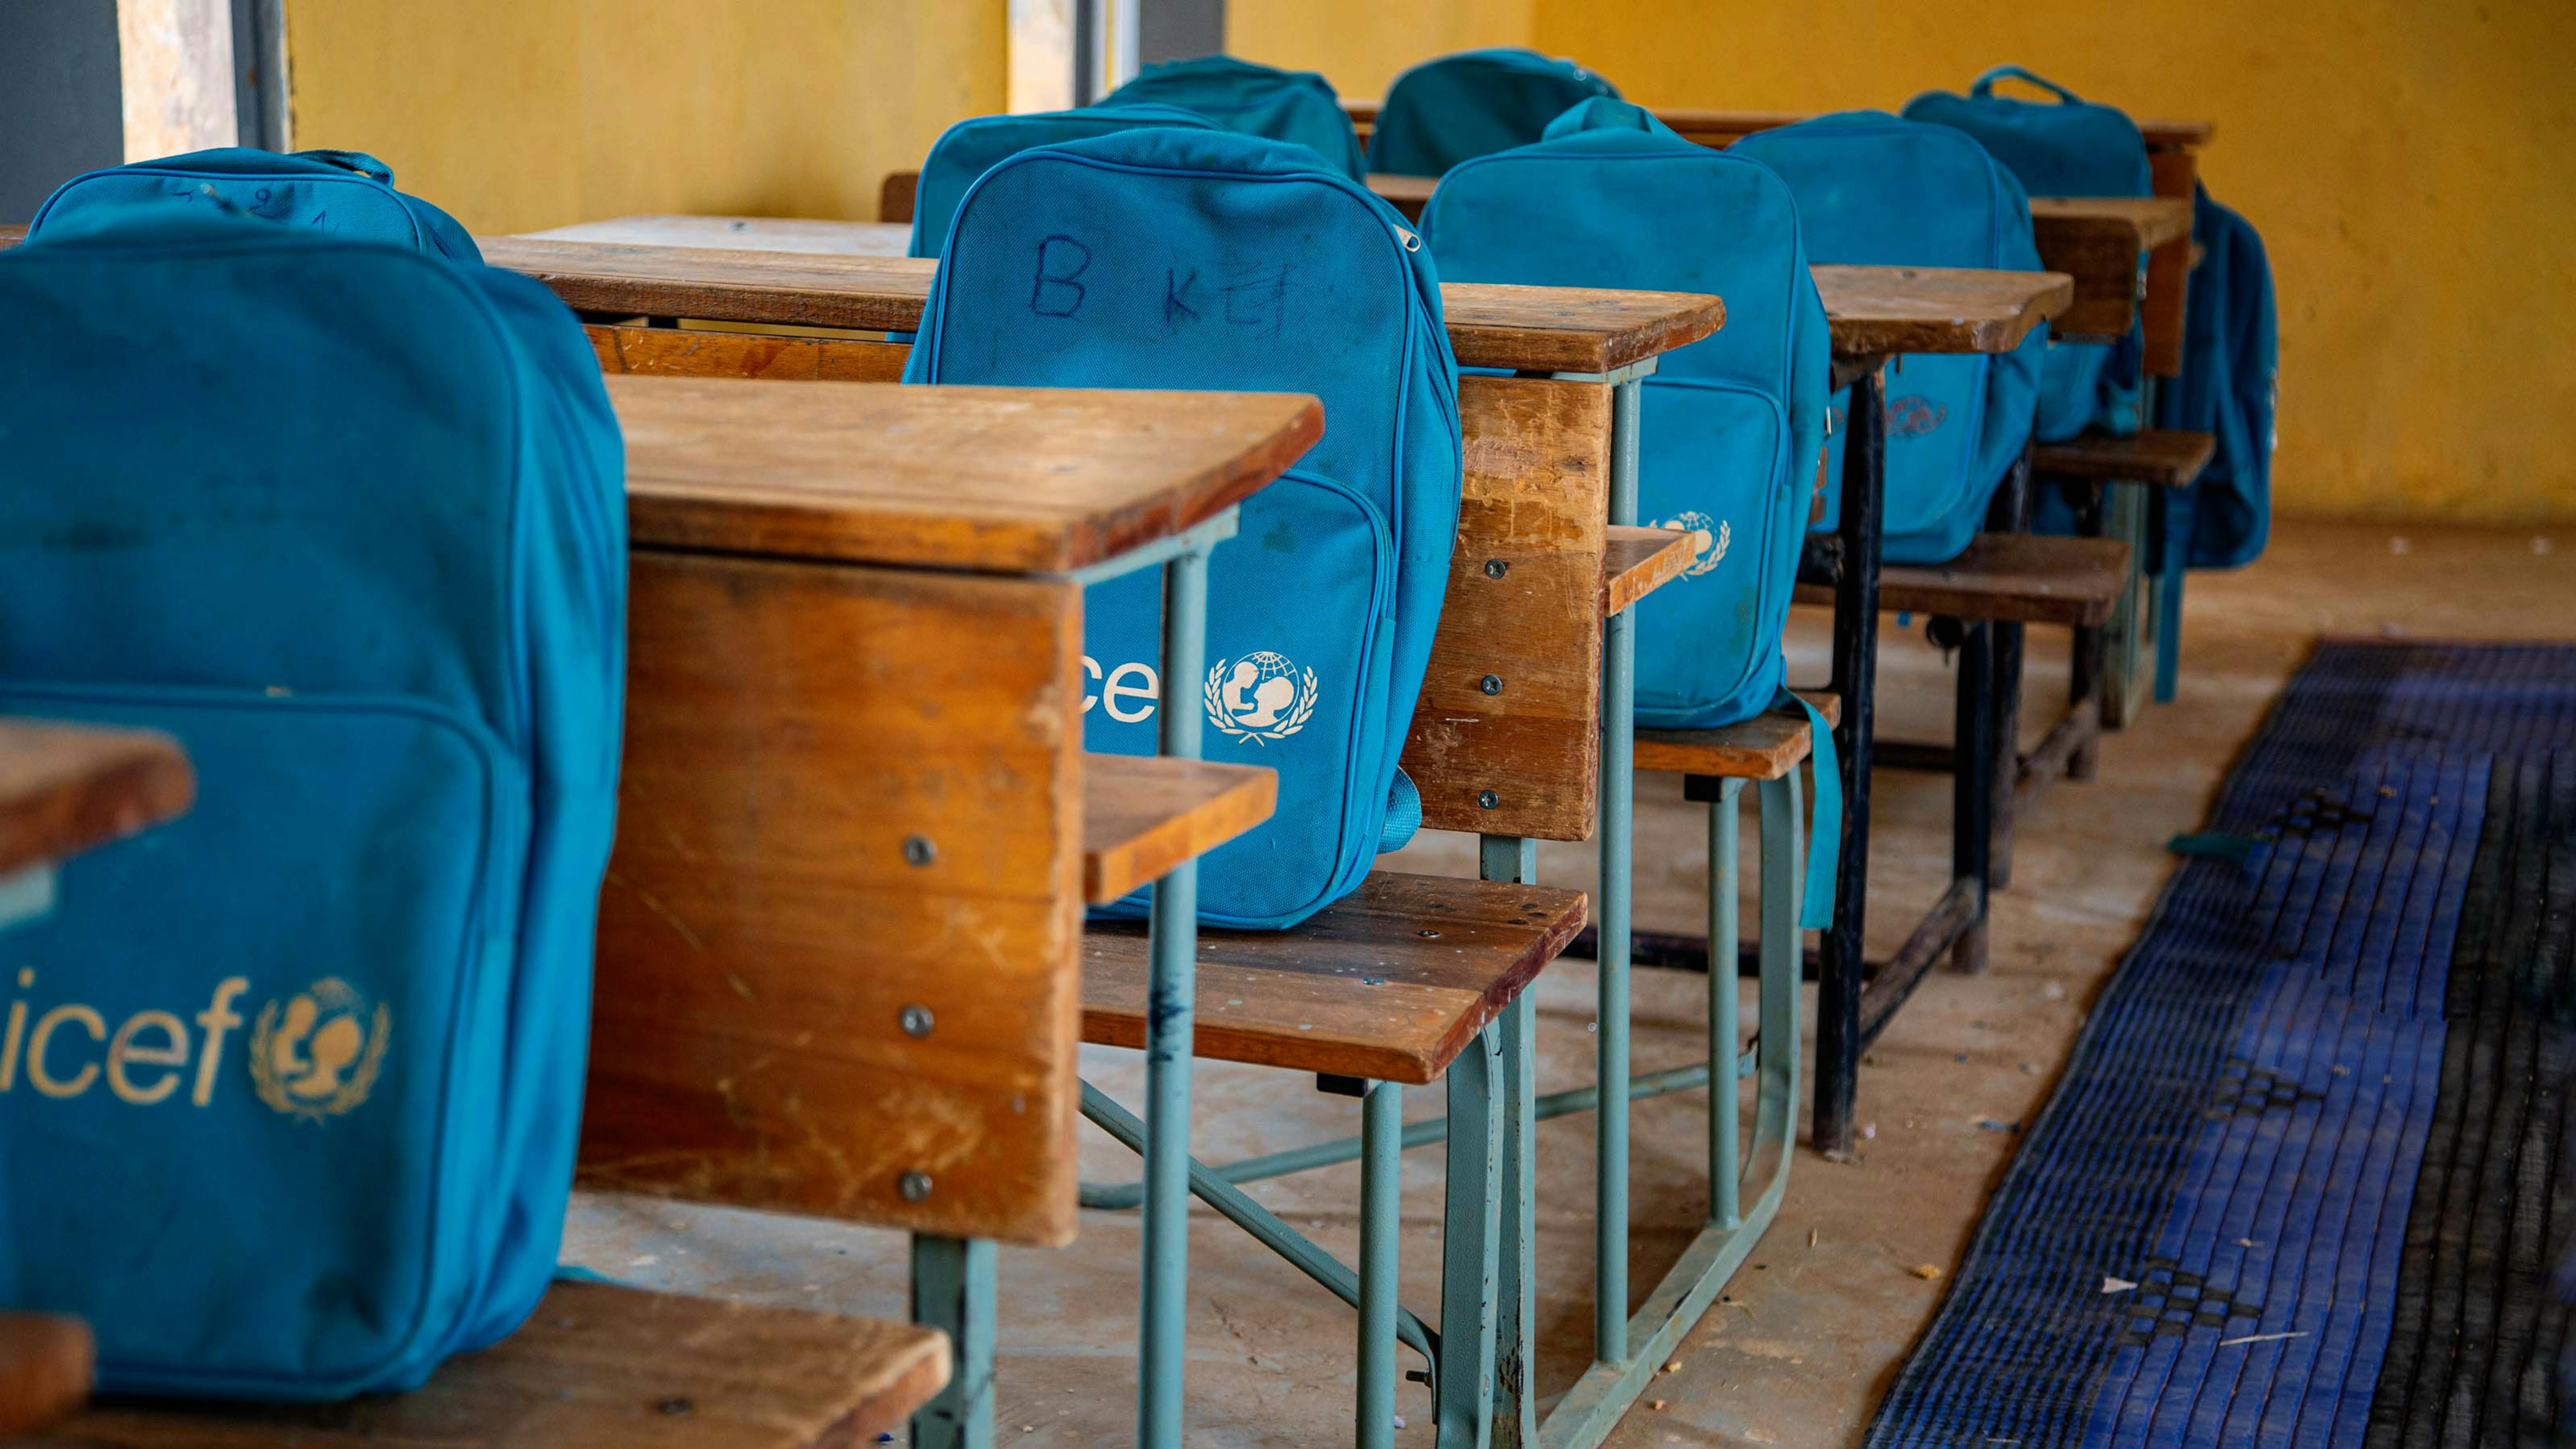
(521, 114)
(2410, 163)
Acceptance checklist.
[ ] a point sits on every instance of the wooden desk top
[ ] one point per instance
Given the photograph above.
(622, 266)
(1718, 126)
(1878, 311)
(2147, 222)
(1006, 480)
(65, 788)
(741, 233)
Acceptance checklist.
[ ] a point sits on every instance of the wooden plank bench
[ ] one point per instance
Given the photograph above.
(2111, 481)
(65, 788)
(596, 1366)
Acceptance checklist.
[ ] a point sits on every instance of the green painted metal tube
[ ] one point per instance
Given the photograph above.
(1169, 1029)
(952, 1291)
(1470, 1242)
(1381, 1228)
(1618, 801)
(1724, 1171)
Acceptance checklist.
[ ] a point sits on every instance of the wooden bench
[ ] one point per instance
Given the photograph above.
(596, 1365)
(2111, 482)
(67, 788)
(1536, 570)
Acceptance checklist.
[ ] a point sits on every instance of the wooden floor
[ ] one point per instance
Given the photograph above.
(1815, 1327)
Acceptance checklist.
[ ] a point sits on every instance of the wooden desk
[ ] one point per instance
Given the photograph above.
(1878, 312)
(65, 788)
(1712, 126)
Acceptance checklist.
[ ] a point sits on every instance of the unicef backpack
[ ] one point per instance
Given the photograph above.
(2229, 386)
(970, 148)
(1444, 111)
(2065, 147)
(1253, 100)
(289, 1087)
(1876, 190)
(345, 194)
(1189, 259)
(1733, 424)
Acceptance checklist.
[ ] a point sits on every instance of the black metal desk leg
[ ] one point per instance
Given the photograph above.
(1972, 788)
(1855, 673)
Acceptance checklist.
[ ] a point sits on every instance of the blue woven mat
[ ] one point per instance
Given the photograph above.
(2301, 1183)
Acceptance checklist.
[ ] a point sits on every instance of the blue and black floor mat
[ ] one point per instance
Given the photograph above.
(2309, 1178)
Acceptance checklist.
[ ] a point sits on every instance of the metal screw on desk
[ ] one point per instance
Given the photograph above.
(916, 1021)
(917, 850)
(1487, 800)
(1491, 684)
(1495, 568)
(915, 1186)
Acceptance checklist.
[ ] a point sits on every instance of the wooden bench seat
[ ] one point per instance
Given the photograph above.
(1765, 747)
(1433, 959)
(2170, 457)
(1144, 814)
(598, 1366)
(2018, 578)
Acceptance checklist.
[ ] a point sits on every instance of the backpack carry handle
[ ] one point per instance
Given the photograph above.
(1985, 84)
(358, 161)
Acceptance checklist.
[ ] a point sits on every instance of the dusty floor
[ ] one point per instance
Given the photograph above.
(1815, 1327)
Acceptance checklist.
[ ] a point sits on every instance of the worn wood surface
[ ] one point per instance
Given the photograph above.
(1881, 311)
(2009, 577)
(1710, 126)
(1142, 815)
(697, 352)
(1529, 329)
(898, 195)
(2097, 241)
(1523, 606)
(1012, 480)
(46, 1365)
(599, 1367)
(65, 788)
(742, 233)
(11, 235)
(1407, 194)
(1637, 561)
(2170, 457)
(846, 791)
(1765, 747)
(1390, 983)
(2174, 173)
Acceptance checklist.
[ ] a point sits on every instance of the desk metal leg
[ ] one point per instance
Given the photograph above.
(1169, 1032)
(1855, 674)
(952, 1291)
(1381, 1225)
(1515, 1405)
(1618, 799)
(1972, 791)
(1724, 1159)
(2009, 513)
(2085, 663)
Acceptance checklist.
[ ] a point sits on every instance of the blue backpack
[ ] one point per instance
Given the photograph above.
(1190, 259)
(1252, 100)
(2066, 147)
(1444, 111)
(289, 1087)
(2230, 382)
(1733, 425)
(971, 147)
(346, 194)
(1874, 190)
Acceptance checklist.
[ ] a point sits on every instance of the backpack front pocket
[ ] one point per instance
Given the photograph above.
(250, 1063)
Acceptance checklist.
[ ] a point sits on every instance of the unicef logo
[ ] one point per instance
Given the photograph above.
(1261, 696)
(1708, 537)
(317, 1054)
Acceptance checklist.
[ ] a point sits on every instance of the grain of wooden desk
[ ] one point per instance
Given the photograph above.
(65, 788)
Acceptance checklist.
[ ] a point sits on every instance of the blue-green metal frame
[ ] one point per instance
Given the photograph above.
(953, 1291)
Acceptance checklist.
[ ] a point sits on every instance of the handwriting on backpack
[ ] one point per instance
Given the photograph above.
(1055, 293)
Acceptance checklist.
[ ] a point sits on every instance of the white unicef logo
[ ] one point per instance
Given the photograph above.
(1708, 539)
(317, 1055)
(1260, 696)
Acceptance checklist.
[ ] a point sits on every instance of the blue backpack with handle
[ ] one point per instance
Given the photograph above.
(1874, 190)
(290, 1087)
(973, 146)
(2230, 385)
(1203, 259)
(1444, 111)
(1733, 425)
(1252, 100)
(2065, 147)
(346, 194)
